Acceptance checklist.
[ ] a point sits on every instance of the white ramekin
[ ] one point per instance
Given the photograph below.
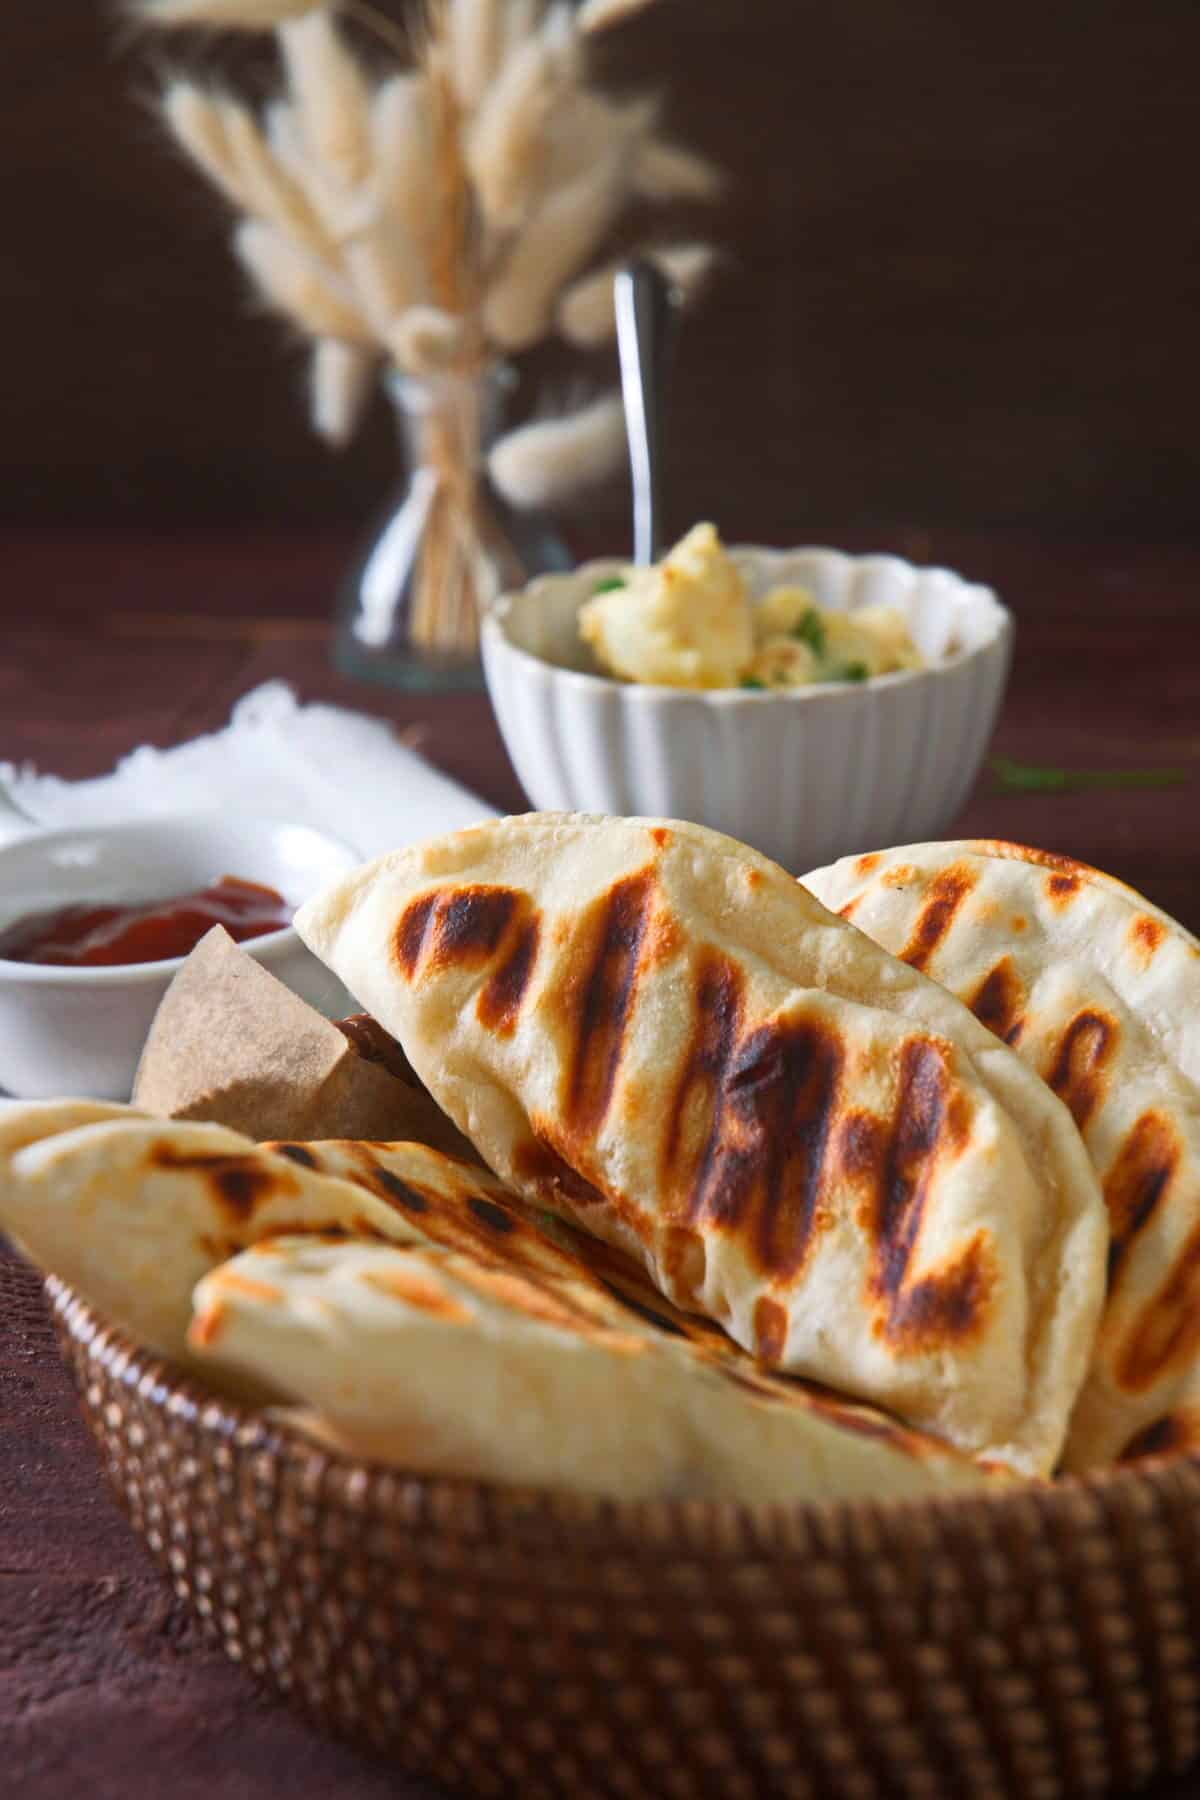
(805, 776)
(80, 1032)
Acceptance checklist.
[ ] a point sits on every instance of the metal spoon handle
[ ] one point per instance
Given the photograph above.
(643, 307)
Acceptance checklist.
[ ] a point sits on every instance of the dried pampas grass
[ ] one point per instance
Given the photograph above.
(381, 271)
(283, 134)
(519, 18)
(331, 99)
(598, 15)
(402, 135)
(454, 267)
(195, 119)
(477, 44)
(432, 218)
(586, 313)
(340, 376)
(272, 193)
(664, 171)
(586, 127)
(560, 237)
(221, 135)
(299, 286)
(506, 145)
(442, 211)
(223, 15)
(540, 463)
(405, 174)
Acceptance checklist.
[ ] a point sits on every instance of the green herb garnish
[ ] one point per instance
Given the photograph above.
(1030, 778)
(810, 629)
(610, 586)
(849, 671)
(752, 681)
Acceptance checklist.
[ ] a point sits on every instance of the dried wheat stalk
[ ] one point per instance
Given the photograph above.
(436, 217)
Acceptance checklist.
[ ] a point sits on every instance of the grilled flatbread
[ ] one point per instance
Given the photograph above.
(430, 1321)
(1100, 993)
(131, 1211)
(27, 1121)
(451, 1205)
(449, 1365)
(651, 1029)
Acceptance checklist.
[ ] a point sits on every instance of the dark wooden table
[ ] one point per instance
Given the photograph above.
(107, 1690)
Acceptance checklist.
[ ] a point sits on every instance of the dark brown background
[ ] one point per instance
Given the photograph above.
(963, 289)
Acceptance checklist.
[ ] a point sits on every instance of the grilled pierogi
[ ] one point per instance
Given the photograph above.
(1100, 993)
(655, 1031)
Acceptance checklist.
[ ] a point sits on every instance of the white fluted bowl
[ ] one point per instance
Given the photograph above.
(805, 775)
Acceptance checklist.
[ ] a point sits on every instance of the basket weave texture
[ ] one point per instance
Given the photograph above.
(1040, 1641)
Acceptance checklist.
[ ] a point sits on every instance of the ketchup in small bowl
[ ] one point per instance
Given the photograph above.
(88, 935)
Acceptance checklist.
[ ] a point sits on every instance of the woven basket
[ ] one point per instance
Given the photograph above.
(1043, 1641)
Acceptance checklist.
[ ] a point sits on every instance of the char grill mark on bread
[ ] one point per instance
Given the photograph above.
(1100, 994)
(796, 1133)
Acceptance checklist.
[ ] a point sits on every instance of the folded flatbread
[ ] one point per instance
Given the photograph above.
(652, 1029)
(131, 1211)
(1100, 993)
(427, 1320)
(28, 1121)
(451, 1365)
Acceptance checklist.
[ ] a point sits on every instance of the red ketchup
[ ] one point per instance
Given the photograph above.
(89, 935)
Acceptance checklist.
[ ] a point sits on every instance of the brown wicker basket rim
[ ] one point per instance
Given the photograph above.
(716, 1527)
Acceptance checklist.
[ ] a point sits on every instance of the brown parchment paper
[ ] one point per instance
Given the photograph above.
(231, 1045)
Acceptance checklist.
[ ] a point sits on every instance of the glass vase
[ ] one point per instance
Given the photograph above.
(448, 546)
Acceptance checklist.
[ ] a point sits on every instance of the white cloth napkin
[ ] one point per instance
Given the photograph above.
(312, 765)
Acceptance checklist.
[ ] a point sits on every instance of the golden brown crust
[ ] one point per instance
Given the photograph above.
(1096, 989)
